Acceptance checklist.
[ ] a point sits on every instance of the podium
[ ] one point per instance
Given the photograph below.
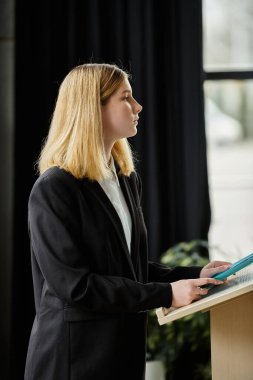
(231, 325)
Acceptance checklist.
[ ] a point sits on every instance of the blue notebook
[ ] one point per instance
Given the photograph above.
(238, 265)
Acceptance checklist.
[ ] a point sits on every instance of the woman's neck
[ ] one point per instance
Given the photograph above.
(108, 152)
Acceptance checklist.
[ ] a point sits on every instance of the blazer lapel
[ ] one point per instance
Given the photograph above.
(108, 207)
(135, 226)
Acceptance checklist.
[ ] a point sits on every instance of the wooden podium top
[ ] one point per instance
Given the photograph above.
(236, 286)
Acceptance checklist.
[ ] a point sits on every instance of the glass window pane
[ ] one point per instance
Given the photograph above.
(229, 132)
(228, 34)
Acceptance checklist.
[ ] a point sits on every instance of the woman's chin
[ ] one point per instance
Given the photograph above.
(134, 132)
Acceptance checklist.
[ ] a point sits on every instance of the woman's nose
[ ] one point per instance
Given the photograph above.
(138, 107)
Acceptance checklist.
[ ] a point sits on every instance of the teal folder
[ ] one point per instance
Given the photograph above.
(238, 265)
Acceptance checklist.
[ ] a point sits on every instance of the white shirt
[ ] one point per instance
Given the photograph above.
(111, 187)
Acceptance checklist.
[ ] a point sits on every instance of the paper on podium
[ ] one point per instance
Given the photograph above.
(235, 286)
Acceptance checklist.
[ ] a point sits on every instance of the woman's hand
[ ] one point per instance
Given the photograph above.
(214, 267)
(185, 292)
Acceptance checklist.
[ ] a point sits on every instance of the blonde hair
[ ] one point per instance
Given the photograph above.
(75, 139)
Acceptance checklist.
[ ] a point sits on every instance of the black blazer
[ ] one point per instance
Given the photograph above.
(91, 295)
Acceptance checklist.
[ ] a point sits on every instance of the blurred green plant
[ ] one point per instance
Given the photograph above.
(183, 345)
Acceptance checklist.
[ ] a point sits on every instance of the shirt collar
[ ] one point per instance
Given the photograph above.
(113, 176)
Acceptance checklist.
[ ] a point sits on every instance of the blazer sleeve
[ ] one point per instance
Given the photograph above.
(56, 240)
(162, 273)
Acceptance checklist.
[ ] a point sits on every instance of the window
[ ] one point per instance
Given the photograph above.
(228, 88)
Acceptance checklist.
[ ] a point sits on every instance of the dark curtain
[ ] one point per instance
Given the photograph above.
(159, 42)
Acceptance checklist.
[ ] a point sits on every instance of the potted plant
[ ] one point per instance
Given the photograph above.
(183, 345)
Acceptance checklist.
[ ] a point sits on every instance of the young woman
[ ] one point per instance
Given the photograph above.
(92, 279)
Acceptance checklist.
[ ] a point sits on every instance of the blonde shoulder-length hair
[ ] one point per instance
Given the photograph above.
(75, 139)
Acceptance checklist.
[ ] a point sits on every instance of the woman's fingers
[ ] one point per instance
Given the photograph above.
(204, 281)
(201, 291)
(213, 268)
(215, 264)
(186, 291)
(183, 293)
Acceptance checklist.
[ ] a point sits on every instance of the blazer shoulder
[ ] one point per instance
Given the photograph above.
(56, 175)
(55, 181)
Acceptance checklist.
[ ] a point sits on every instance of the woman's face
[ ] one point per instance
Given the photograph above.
(120, 115)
